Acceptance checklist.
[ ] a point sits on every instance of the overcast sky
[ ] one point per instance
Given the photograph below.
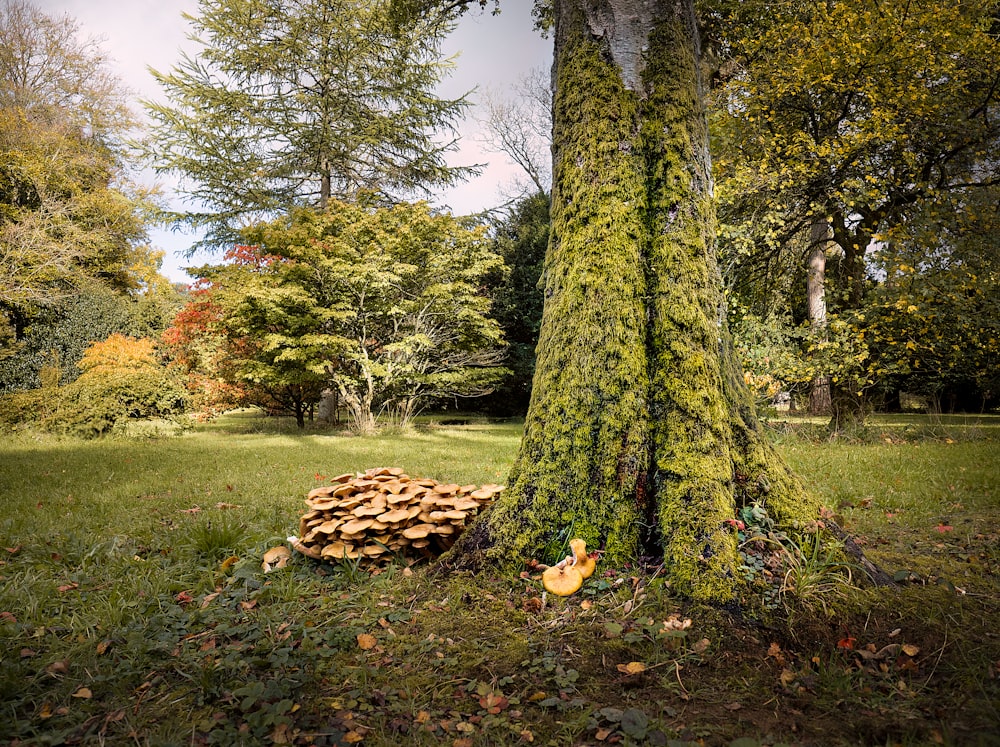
(494, 52)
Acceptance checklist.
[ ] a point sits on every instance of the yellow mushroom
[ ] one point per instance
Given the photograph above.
(563, 578)
(584, 563)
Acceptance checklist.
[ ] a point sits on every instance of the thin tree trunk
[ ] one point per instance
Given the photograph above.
(819, 239)
(641, 436)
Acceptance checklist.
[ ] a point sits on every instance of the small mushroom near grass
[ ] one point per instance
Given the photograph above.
(584, 563)
(566, 576)
(276, 557)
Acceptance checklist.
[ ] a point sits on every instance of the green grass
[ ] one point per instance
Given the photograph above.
(133, 609)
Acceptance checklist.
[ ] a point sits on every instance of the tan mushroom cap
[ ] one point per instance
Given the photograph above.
(368, 510)
(418, 531)
(328, 527)
(356, 525)
(339, 550)
(344, 477)
(395, 516)
(466, 504)
(562, 579)
(584, 563)
(319, 492)
(276, 557)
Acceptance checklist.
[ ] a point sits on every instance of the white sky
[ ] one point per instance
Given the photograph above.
(494, 52)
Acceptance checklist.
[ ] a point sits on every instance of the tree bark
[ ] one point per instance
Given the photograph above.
(640, 436)
(819, 239)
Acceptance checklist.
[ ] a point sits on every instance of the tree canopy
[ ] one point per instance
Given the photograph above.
(289, 104)
(69, 216)
(384, 305)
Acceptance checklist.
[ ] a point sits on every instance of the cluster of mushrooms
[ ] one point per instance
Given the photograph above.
(383, 513)
(567, 576)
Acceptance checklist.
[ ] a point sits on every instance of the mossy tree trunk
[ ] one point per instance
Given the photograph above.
(640, 437)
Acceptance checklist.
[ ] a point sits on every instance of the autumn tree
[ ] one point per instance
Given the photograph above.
(69, 216)
(289, 104)
(640, 437)
(838, 121)
(382, 304)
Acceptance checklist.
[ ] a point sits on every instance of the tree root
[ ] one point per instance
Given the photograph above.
(878, 576)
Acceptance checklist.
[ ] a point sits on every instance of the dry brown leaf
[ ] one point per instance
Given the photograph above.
(733, 706)
(84, 693)
(787, 677)
(586, 604)
(633, 667)
(910, 650)
(366, 641)
(701, 646)
(102, 647)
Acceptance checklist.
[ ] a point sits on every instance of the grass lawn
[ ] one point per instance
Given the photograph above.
(133, 609)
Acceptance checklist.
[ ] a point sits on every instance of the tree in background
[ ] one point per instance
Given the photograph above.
(294, 103)
(521, 240)
(383, 304)
(122, 379)
(71, 225)
(837, 122)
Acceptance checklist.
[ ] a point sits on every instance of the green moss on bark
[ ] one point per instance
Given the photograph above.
(640, 433)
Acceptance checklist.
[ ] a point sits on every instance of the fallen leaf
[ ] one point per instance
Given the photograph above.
(228, 563)
(527, 736)
(353, 737)
(422, 717)
(942, 528)
(184, 597)
(701, 646)
(58, 667)
(192, 510)
(13, 550)
(462, 742)
(847, 643)
(733, 706)
(633, 667)
(46, 710)
(493, 702)
(910, 650)
(281, 734)
(208, 599)
(84, 693)
(586, 604)
(366, 641)
(68, 587)
(27, 653)
(896, 632)
(102, 647)
(224, 506)
(7, 617)
(603, 733)
(787, 677)
(248, 605)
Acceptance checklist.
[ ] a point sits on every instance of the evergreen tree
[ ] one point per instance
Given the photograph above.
(291, 103)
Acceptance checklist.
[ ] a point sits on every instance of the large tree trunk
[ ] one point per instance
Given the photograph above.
(819, 239)
(640, 436)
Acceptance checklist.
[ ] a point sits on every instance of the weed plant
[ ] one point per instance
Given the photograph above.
(133, 608)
